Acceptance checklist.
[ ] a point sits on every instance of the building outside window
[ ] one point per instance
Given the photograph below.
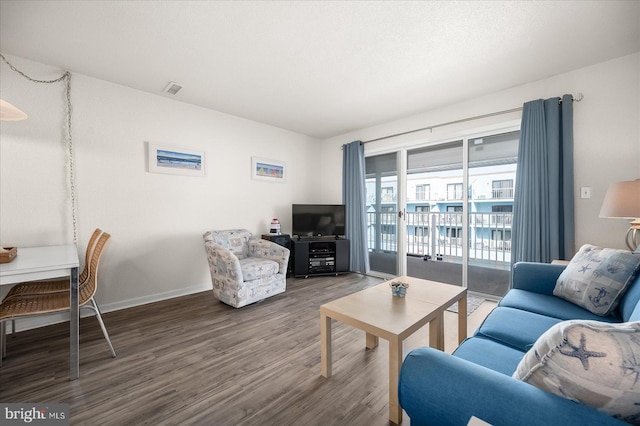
(387, 195)
(388, 215)
(502, 188)
(388, 229)
(454, 191)
(501, 239)
(423, 192)
(502, 219)
(423, 218)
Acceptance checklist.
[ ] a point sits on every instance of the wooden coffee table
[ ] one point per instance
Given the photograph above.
(379, 314)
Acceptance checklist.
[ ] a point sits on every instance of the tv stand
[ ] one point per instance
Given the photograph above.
(320, 256)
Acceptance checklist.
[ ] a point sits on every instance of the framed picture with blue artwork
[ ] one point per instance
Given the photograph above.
(268, 170)
(175, 161)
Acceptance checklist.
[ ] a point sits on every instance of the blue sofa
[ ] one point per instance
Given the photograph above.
(436, 388)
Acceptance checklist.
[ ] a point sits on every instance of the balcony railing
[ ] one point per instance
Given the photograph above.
(502, 193)
(427, 234)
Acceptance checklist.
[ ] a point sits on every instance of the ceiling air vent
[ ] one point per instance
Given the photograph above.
(172, 88)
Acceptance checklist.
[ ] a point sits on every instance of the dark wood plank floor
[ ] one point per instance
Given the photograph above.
(195, 361)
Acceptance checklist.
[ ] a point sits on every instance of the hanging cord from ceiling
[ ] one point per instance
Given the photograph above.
(66, 78)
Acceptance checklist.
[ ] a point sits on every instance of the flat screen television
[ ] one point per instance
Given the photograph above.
(318, 220)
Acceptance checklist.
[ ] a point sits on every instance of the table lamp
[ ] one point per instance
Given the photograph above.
(622, 200)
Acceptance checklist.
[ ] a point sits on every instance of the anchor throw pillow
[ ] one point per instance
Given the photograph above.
(594, 363)
(596, 278)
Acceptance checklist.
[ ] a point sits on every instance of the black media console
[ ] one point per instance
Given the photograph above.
(321, 256)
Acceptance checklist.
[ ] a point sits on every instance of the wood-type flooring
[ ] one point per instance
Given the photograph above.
(195, 361)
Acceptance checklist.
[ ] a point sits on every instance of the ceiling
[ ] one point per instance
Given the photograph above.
(320, 68)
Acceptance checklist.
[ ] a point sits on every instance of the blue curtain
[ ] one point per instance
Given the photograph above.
(353, 196)
(543, 220)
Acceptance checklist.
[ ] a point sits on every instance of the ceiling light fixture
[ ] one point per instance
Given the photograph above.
(9, 112)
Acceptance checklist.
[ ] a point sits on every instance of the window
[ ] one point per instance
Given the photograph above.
(420, 231)
(502, 216)
(454, 235)
(501, 235)
(387, 215)
(454, 232)
(454, 191)
(423, 192)
(387, 195)
(422, 215)
(388, 229)
(502, 188)
(501, 239)
(455, 215)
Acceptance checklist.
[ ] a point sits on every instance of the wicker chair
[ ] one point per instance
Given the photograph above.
(30, 305)
(33, 288)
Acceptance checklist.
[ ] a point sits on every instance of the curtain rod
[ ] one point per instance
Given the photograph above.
(462, 120)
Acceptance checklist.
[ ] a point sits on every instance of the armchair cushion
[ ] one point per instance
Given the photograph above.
(254, 268)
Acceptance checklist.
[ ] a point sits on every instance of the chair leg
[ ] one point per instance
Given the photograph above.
(3, 343)
(96, 310)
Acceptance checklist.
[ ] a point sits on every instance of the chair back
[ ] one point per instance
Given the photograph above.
(236, 240)
(87, 258)
(88, 288)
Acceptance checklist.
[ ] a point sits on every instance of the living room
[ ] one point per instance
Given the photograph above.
(157, 220)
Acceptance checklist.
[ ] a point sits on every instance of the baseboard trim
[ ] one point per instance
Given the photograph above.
(36, 322)
(143, 300)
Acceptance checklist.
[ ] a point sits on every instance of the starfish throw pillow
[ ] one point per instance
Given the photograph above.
(590, 362)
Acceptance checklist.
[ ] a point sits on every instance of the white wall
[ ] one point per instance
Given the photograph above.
(606, 135)
(156, 220)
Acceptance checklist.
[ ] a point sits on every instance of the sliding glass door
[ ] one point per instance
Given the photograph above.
(492, 173)
(435, 212)
(382, 213)
(449, 218)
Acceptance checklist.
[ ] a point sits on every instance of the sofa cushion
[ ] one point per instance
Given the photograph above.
(551, 306)
(596, 278)
(491, 354)
(590, 362)
(254, 268)
(516, 328)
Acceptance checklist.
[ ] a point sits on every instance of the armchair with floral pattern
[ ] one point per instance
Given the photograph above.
(244, 269)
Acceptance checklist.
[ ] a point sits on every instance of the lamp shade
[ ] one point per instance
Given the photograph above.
(622, 200)
(9, 112)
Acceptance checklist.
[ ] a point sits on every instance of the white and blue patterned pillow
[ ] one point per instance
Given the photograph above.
(596, 278)
(594, 363)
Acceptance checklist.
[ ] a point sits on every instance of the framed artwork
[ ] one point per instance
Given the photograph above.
(175, 161)
(268, 170)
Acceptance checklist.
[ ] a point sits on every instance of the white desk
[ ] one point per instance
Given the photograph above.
(40, 263)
